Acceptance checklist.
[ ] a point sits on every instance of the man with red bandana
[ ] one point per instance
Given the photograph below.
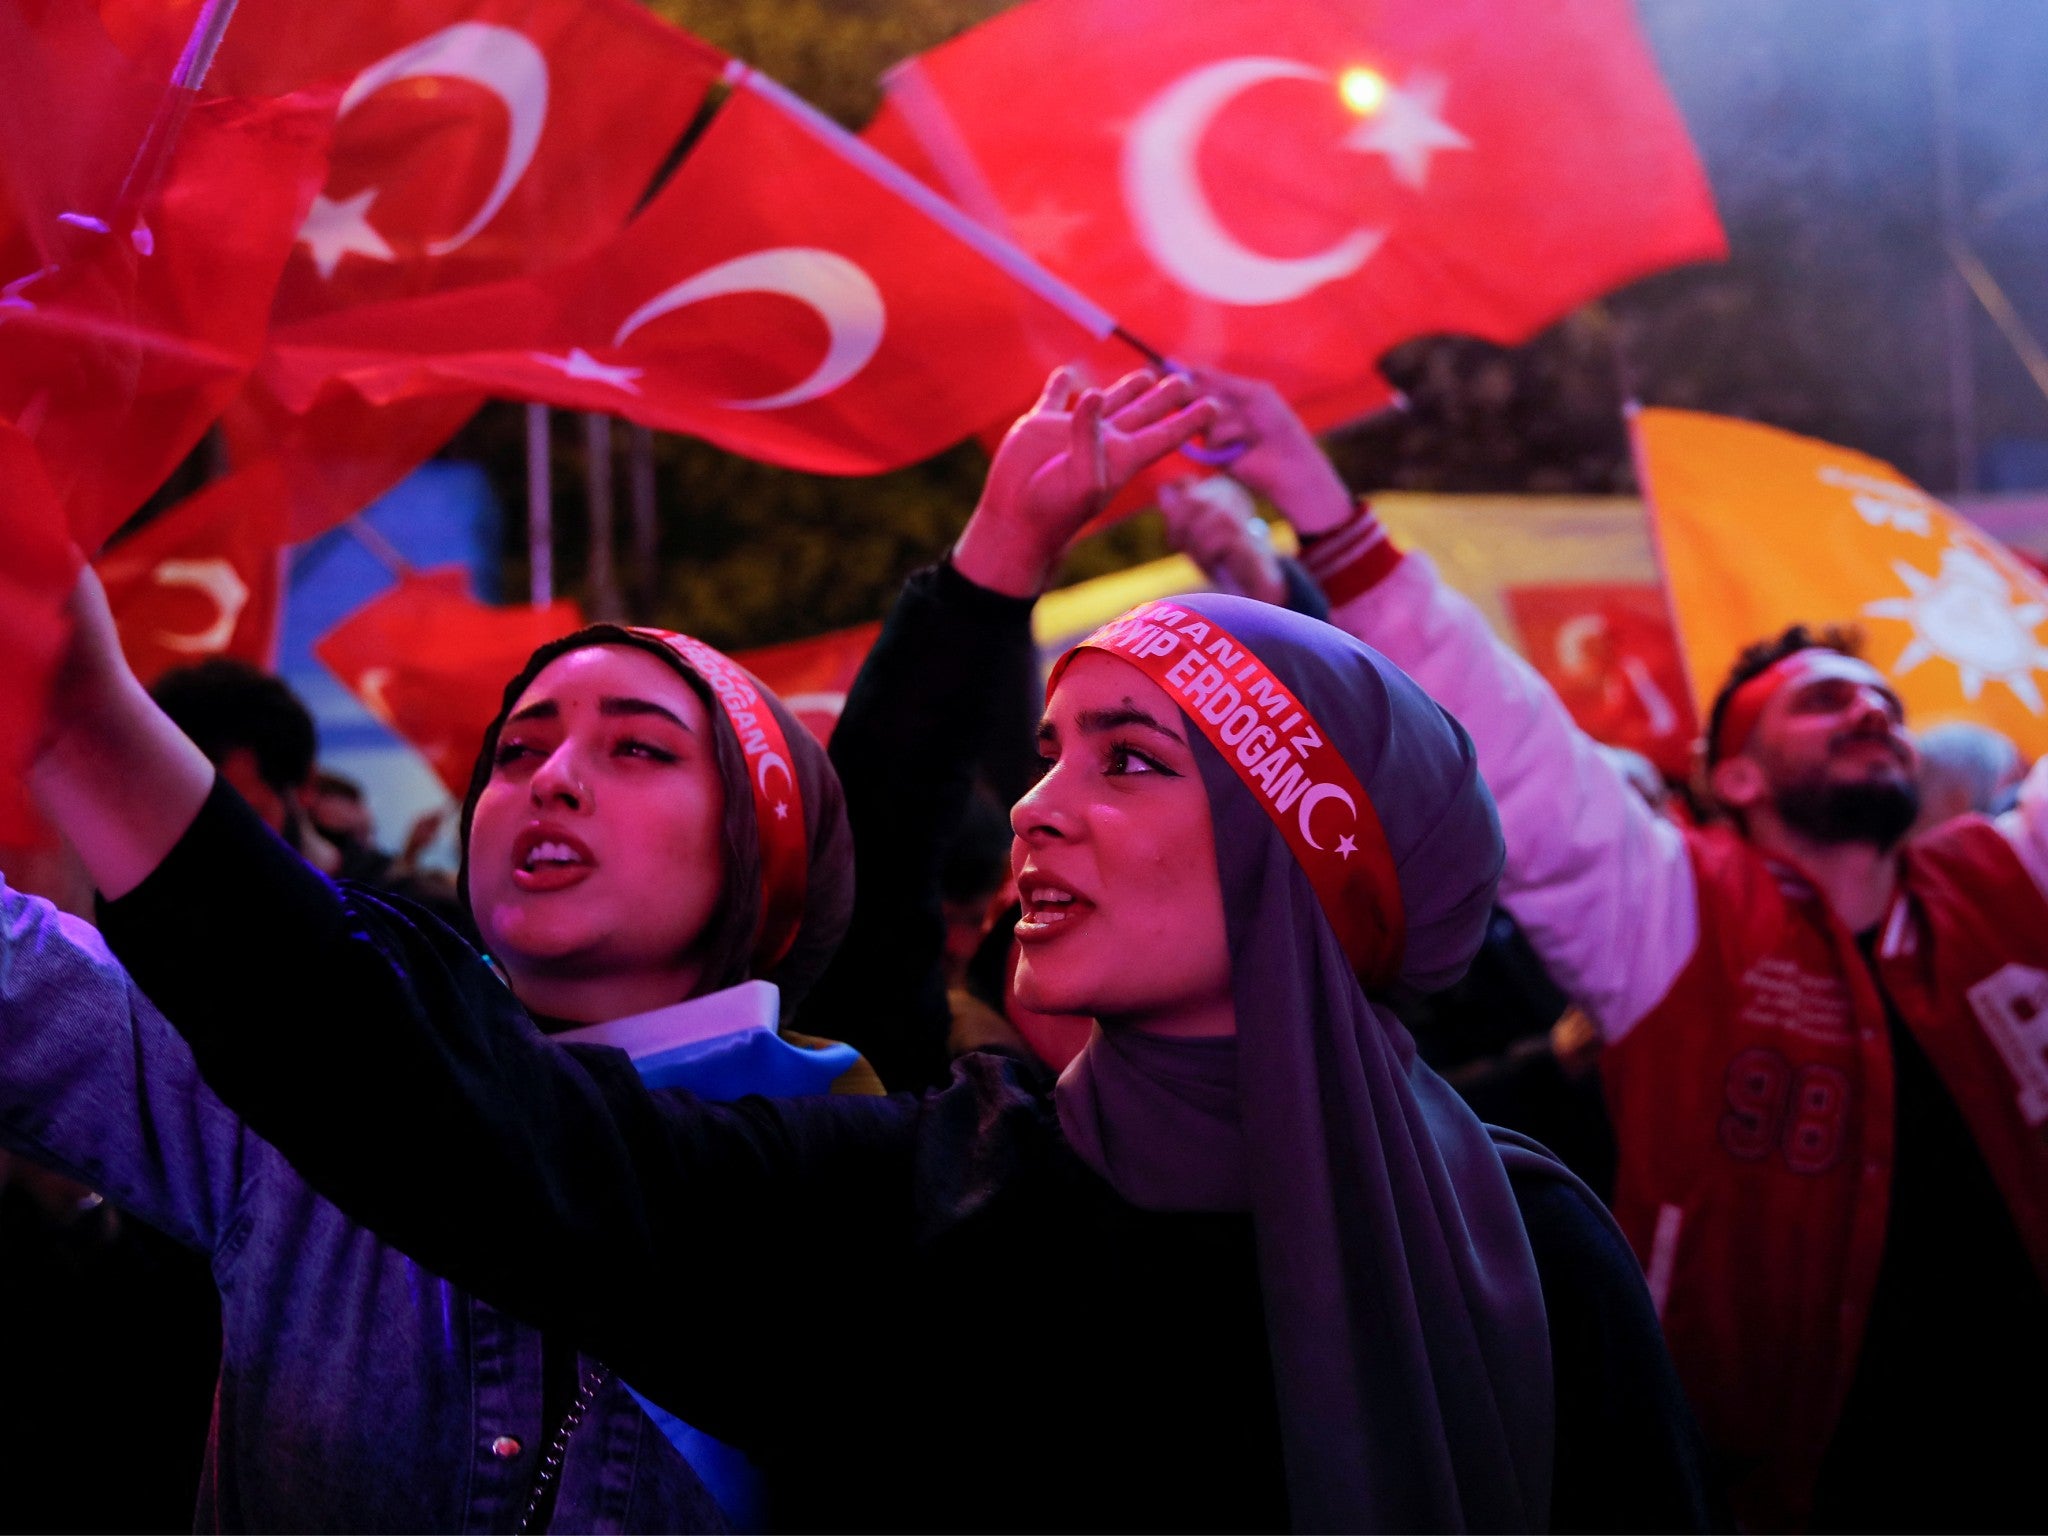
(1827, 1047)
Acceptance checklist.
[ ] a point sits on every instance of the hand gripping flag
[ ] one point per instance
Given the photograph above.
(788, 295)
(430, 661)
(1288, 189)
(205, 579)
(1760, 529)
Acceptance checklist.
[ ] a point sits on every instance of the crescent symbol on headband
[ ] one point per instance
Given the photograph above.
(770, 760)
(1172, 214)
(223, 587)
(503, 62)
(1316, 796)
(844, 296)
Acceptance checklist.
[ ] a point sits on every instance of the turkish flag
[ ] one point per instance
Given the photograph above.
(1761, 529)
(477, 139)
(776, 299)
(38, 565)
(431, 662)
(1608, 650)
(341, 453)
(204, 579)
(1287, 188)
(125, 329)
(812, 676)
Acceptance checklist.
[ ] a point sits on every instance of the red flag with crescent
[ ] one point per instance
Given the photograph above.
(129, 317)
(476, 139)
(812, 676)
(1288, 189)
(1609, 651)
(776, 298)
(203, 580)
(430, 661)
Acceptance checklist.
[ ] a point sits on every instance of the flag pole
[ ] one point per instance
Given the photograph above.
(146, 169)
(646, 524)
(540, 508)
(381, 549)
(1007, 256)
(597, 482)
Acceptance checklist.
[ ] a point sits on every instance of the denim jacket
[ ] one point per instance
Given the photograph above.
(357, 1391)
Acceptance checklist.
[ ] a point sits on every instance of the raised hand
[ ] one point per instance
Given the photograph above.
(1214, 524)
(1281, 460)
(1060, 465)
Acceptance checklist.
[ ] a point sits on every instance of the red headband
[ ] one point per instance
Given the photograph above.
(1746, 703)
(778, 810)
(1260, 728)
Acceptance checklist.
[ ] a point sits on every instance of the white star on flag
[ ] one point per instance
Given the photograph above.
(1346, 847)
(333, 229)
(1408, 128)
(782, 810)
(579, 364)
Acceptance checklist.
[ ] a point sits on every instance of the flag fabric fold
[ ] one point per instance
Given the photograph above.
(775, 298)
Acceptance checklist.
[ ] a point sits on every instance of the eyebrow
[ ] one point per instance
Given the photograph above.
(1096, 721)
(609, 707)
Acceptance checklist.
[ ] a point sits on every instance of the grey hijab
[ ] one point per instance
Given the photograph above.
(1410, 1350)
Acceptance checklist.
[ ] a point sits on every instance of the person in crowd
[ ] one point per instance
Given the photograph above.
(1965, 769)
(1823, 1040)
(1250, 1266)
(254, 729)
(357, 1390)
(1212, 521)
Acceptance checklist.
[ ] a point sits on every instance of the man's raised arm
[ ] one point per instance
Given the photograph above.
(1602, 886)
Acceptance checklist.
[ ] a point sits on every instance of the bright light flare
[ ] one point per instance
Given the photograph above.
(1363, 90)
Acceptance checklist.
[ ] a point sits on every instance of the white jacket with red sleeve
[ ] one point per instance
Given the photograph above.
(1748, 1066)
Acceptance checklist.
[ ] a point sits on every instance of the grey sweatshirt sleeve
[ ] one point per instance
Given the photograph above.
(95, 1084)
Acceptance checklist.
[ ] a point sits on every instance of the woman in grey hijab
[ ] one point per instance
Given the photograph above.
(1249, 1267)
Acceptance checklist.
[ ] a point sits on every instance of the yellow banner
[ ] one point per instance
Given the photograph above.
(1760, 529)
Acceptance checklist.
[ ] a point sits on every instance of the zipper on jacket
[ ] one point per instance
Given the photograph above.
(558, 1447)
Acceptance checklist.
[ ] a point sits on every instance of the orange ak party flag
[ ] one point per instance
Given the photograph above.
(1760, 528)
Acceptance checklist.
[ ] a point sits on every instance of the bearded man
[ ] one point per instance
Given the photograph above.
(1826, 1044)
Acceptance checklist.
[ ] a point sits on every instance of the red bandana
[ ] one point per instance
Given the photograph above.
(1746, 704)
(1284, 759)
(778, 807)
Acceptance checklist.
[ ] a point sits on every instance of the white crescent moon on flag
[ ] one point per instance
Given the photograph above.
(1316, 796)
(503, 62)
(844, 296)
(223, 587)
(768, 760)
(1171, 213)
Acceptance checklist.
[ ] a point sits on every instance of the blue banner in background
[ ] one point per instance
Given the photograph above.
(443, 514)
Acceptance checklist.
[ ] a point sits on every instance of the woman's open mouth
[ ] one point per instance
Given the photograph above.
(548, 859)
(1049, 910)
